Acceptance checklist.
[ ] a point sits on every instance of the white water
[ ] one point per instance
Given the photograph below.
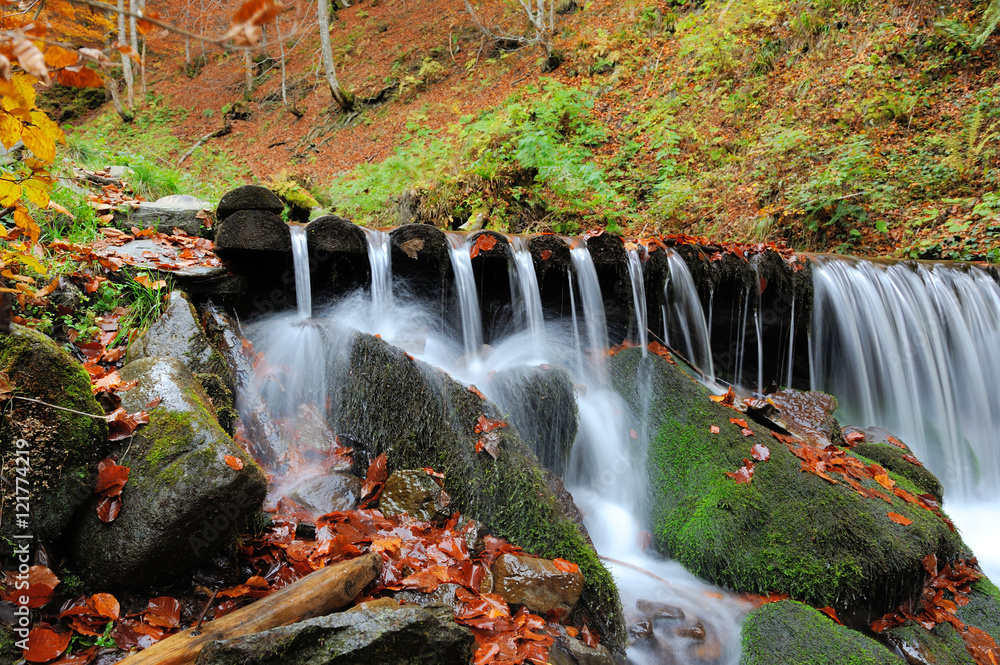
(300, 260)
(915, 348)
(526, 297)
(468, 298)
(639, 298)
(380, 260)
(683, 312)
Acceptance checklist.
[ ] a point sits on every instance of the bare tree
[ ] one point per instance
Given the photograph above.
(343, 98)
(496, 27)
(126, 62)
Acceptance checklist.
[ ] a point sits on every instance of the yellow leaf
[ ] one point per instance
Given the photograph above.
(24, 221)
(37, 191)
(25, 86)
(40, 142)
(9, 192)
(31, 262)
(39, 119)
(10, 129)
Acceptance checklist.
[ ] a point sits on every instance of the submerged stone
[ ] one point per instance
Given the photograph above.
(381, 632)
(327, 493)
(538, 584)
(789, 632)
(788, 530)
(183, 501)
(419, 417)
(60, 448)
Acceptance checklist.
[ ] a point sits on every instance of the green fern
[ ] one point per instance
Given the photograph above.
(989, 22)
(969, 149)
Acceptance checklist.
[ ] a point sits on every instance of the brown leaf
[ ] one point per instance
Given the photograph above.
(234, 462)
(31, 59)
(375, 479)
(411, 247)
(108, 508)
(46, 642)
(484, 243)
(545, 254)
(899, 519)
(744, 474)
(111, 477)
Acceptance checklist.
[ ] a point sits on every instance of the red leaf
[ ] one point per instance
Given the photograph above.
(746, 431)
(744, 474)
(760, 452)
(588, 637)
(45, 643)
(104, 605)
(484, 424)
(854, 438)
(899, 519)
(896, 442)
(111, 477)
(545, 254)
(163, 612)
(108, 508)
(565, 566)
(378, 472)
(234, 462)
(484, 243)
(830, 612)
(739, 422)
(913, 460)
(725, 400)
(714, 429)
(475, 391)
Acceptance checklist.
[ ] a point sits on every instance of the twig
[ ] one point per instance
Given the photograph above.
(219, 41)
(61, 408)
(634, 567)
(197, 626)
(222, 131)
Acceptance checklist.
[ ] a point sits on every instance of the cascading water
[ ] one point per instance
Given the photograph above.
(527, 299)
(638, 298)
(683, 314)
(380, 260)
(300, 261)
(468, 299)
(915, 348)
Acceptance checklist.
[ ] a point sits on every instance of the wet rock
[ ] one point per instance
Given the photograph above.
(178, 334)
(571, 651)
(537, 584)
(183, 502)
(656, 610)
(790, 632)
(221, 397)
(983, 609)
(444, 595)
(67, 295)
(695, 631)
(248, 197)
(787, 530)
(254, 230)
(542, 402)
(640, 630)
(420, 417)
(808, 415)
(164, 217)
(919, 646)
(415, 493)
(336, 235)
(381, 631)
(62, 448)
(329, 493)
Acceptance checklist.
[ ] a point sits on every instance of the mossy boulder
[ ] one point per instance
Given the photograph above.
(790, 633)
(183, 501)
(788, 530)
(983, 609)
(419, 417)
(62, 447)
(891, 457)
(178, 334)
(380, 631)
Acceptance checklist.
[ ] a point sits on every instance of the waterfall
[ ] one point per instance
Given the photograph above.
(592, 304)
(468, 296)
(639, 298)
(300, 261)
(683, 312)
(526, 297)
(380, 261)
(915, 348)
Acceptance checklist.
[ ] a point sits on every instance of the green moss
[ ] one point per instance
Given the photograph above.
(786, 531)
(419, 417)
(942, 644)
(65, 446)
(983, 610)
(790, 633)
(891, 458)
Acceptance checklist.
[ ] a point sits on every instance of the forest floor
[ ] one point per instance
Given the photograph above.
(859, 126)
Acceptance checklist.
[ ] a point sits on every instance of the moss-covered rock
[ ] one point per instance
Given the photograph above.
(942, 644)
(420, 417)
(790, 633)
(891, 457)
(183, 502)
(983, 609)
(788, 530)
(62, 447)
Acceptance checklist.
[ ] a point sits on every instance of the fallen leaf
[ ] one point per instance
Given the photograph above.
(739, 422)
(565, 566)
(545, 254)
(744, 474)
(760, 452)
(475, 391)
(725, 400)
(111, 478)
(913, 460)
(854, 438)
(484, 243)
(234, 462)
(375, 479)
(899, 519)
(830, 612)
(714, 429)
(108, 508)
(45, 643)
(412, 247)
(746, 431)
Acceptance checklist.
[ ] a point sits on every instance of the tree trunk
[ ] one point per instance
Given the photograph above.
(281, 46)
(341, 96)
(142, 58)
(249, 67)
(111, 86)
(126, 62)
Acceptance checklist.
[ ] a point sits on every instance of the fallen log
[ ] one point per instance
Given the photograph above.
(319, 593)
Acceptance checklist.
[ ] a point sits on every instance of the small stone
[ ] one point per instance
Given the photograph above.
(655, 610)
(694, 632)
(444, 595)
(537, 584)
(326, 494)
(640, 630)
(414, 492)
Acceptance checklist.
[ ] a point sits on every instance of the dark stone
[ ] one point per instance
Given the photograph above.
(62, 448)
(655, 610)
(183, 502)
(248, 197)
(787, 530)
(789, 632)
(432, 424)
(537, 584)
(379, 632)
(253, 230)
(571, 651)
(221, 397)
(444, 596)
(178, 334)
(336, 235)
(327, 493)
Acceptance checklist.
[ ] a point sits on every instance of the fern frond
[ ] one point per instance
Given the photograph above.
(989, 22)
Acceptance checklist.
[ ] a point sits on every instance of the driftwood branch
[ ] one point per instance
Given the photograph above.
(319, 593)
(222, 131)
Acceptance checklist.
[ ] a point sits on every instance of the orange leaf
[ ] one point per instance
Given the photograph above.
(475, 391)
(744, 474)
(746, 431)
(234, 463)
(565, 566)
(884, 480)
(545, 254)
(714, 429)
(899, 519)
(111, 478)
(913, 460)
(855, 438)
(484, 243)
(45, 643)
(56, 57)
(739, 422)
(724, 400)
(108, 508)
(830, 612)
(760, 452)
(145, 26)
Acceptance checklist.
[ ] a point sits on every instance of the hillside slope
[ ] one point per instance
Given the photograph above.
(867, 126)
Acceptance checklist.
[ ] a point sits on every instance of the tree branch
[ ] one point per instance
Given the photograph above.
(218, 41)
